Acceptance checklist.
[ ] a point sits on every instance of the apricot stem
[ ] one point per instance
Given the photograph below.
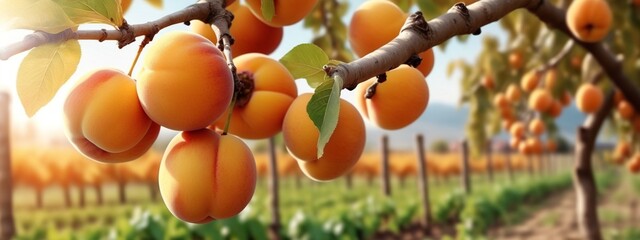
(143, 44)
(231, 106)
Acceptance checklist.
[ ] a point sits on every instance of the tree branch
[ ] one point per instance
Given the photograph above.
(204, 10)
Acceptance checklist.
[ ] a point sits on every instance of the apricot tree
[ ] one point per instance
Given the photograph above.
(193, 105)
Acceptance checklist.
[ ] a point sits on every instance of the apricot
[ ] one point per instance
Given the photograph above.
(506, 113)
(514, 143)
(625, 110)
(397, 102)
(500, 101)
(259, 113)
(565, 99)
(428, 60)
(530, 81)
(589, 20)
(184, 83)
(204, 176)
(589, 98)
(374, 24)
(516, 60)
(341, 152)
(104, 120)
(622, 151)
(517, 130)
(534, 145)
(250, 34)
(555, 109)
(287, 12)
(513, 93)
(540, 100)
(536, 126)
(634, 164)
(550, 79)
(125, 4)
(487, 81)
(524, 148)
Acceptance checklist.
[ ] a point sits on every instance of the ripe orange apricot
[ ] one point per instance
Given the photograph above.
(517, 130)
(341, 152)
(287, 12)
(516, 61)
(589, 20)
(565, 100)
(534, 145)
(260, 110)
(634, 164)
(374, 24)
(555, 110)
(589, 98)
(487, 81)
(184, 83)
(398, 101)
(506, 113)
(204, 176)
(249, 33)
(530, 80)
(513, 93)
(625, 109)
(428, 60)
(550, 79)
(500, 101)
(622, 151)
(104, 119)
(536, 126)
(514, 143)
(540, 100)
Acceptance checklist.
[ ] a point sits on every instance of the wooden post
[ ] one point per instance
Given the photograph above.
(466, 184)
(81, 196)
(386, 186)
(490, 160)
(274, 202)
(7, 223)
(99, 196)
(423, 183)
(122, 191)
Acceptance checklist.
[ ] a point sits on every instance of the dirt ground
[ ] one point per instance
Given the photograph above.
(556, 218)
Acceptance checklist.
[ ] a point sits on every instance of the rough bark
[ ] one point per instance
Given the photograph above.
(384, 162)
(423, 184)
(583, 177)
(274, 191)
(7, 224)
(466, 171)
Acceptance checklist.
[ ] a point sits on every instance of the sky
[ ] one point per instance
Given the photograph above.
(443, 89)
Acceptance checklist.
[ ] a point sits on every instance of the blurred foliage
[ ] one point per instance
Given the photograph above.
(440, 146)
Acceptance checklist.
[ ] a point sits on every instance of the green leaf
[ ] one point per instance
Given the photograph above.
(40, 15)
(155, 3)
(43, 71)
(93, 11)
(268, 9)
(323, 109)
(429, 8)
(306, 61)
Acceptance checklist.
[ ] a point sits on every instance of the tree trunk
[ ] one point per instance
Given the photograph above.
(423, 184)
(583, 177)
(466, 183)
(122, 192)
(39, 197)
(81, 196)
(66, 192)
(99, 196)
(7, 224)
(585, 186)
(490, 160)
(386, 186)
(274, 201)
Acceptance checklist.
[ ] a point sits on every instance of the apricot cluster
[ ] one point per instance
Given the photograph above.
(112, 118)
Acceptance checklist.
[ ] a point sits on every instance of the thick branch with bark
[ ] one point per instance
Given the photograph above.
(205, 10)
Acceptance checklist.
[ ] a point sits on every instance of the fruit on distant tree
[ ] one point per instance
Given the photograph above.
(536, 126)
(341, 152)
(540, 100)
(260, 108)
(516, 60)
(104, 119)
(517, 130)
(589, 98)
(204, 176)
(513, 93)
(184, 83)
(530, 81)
(398, 101)
(500, 101)
(287, 12)
(487, 81)
(589, 20)
(625, 110)
(249, 33)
